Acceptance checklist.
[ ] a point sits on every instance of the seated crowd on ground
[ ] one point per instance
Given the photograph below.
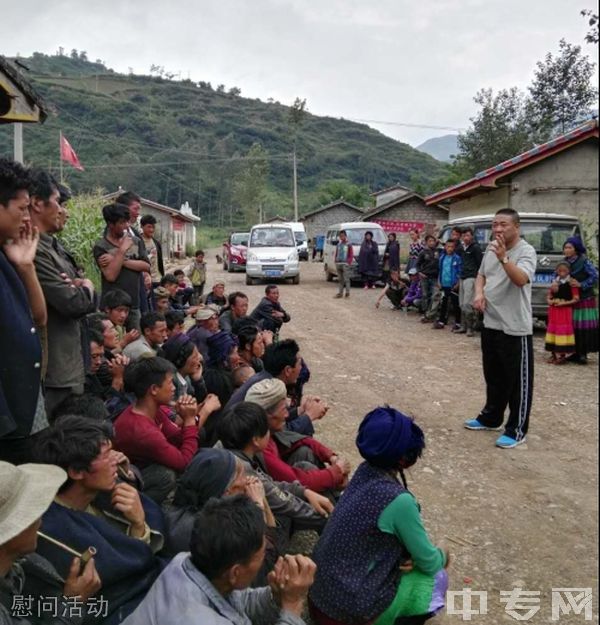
(163, 440)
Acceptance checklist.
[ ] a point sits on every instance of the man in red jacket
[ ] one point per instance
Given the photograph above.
(145, 433)
(271, 394)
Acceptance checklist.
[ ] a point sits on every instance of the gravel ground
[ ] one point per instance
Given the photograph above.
(512, 518)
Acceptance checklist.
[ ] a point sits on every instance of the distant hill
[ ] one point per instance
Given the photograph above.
(177, 140)
(441, 148)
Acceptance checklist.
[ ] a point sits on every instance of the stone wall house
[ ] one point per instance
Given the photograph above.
(384, 196)
(176, 230)
(559, 177)
(316, 222)
(405, 212)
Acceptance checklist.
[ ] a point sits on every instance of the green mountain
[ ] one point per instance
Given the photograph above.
(176, 140)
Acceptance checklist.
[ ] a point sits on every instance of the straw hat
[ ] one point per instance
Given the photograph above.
(26, 492)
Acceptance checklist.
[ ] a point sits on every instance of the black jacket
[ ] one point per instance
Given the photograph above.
(472, 257)
(428, 263)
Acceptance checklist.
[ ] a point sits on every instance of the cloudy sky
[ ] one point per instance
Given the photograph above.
(396, 61)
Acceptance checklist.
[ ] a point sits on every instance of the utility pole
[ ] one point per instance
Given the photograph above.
(18, 142)
(295, 185)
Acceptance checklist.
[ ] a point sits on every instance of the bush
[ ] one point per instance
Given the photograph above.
(84, 228)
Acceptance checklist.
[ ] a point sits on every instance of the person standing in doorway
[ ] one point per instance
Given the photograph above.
(344, 256)
(503, 294)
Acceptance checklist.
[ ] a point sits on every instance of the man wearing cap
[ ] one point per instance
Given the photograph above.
(295, 457)
(413, 295)
(217, 296)
(161, 299)
(26, 492)
(207, 324)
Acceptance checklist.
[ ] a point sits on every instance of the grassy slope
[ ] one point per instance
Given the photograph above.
(114, 120)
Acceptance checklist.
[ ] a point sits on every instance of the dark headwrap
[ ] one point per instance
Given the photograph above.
(386, 435)
(208, 475)
(577, 243)
(219, 347)
(177, 349)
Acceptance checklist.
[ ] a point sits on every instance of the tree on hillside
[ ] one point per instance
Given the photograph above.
(499, 130)
(333, 190)
(561, 92)
(251, 182)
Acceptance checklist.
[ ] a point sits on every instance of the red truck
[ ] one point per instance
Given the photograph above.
(234, 251)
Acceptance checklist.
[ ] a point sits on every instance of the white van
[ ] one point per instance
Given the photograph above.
(301, 238)
(272, 253)
(355, 230)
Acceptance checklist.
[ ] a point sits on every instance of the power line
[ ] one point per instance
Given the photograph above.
(378, 121)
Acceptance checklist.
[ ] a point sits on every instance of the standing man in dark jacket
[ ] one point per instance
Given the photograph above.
(22, 314)
(472, 256)
(428, 267)
(68, 297)
(269, 313)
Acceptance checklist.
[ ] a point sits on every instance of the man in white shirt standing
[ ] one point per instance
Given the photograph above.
(503, 294)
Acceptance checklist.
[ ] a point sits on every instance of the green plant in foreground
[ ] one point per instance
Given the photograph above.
(84, 227)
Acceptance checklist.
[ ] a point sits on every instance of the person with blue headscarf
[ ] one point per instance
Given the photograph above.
(375, 562)
(585, 312)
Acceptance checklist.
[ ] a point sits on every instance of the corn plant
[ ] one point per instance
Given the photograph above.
(84, 227)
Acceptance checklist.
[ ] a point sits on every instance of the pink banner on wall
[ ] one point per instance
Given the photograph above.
(391, 225)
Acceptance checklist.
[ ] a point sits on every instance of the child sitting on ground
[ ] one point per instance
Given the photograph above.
(560, 335)
(185, 290)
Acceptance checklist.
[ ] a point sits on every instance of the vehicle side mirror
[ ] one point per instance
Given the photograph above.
(334, 242)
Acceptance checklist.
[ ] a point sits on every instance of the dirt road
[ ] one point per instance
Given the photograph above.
(512, 518)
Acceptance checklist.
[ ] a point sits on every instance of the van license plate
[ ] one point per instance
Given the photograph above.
(273, 273)
(543, 278)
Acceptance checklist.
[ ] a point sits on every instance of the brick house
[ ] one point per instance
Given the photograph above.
(316, 222)
(560, 176)
(405, 211)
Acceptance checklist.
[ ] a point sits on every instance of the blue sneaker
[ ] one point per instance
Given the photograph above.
(473, 424)
(506, 442)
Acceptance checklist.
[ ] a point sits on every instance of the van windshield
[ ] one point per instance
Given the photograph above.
(356, 235)
(272, 237)
(300, 237)
(546, 238)
(240, 238)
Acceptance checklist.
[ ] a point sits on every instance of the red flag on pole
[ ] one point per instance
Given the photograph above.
(67, 153)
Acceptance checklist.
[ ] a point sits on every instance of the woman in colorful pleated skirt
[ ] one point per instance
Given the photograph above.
(560, 333)
(584, 276)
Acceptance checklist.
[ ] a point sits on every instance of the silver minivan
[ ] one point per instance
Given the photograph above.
(272, 253)
(355, 230)
(547, 232)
